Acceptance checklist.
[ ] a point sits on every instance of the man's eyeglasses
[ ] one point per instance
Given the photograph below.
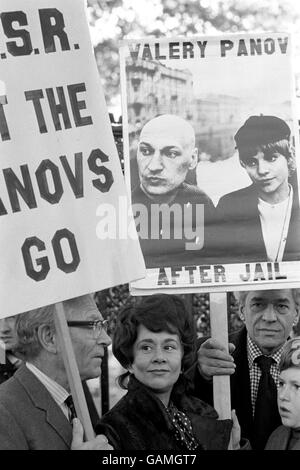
(96, 326)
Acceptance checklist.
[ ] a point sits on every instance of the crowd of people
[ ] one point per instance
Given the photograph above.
(168, 403)
(168, 377)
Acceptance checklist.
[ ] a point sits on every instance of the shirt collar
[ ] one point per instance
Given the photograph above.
(58, 392)
(253, 352)
(15, 361)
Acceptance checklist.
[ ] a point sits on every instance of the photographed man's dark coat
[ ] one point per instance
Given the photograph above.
(240, 233)
(171, 251)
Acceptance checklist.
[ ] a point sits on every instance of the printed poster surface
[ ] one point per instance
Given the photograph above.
(211, 148)
(60, 171)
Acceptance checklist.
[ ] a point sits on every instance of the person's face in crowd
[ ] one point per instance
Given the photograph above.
(88, 344)
(166, 151)
(268, 170)
(7, 332)
(157, 361)
(289, 397)
(269, 317)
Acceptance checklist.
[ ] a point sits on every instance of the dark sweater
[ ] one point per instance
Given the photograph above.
(139, 422)
(240, 233)
(171, 251)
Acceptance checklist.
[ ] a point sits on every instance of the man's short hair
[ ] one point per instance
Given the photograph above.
(27, 324)
(241, 296)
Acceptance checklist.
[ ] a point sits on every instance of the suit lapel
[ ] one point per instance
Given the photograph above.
(42, 400)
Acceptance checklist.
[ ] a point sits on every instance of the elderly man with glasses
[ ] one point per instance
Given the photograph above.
(35, 404)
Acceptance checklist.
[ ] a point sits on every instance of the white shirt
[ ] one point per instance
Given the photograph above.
(275, 220)
(58, 393)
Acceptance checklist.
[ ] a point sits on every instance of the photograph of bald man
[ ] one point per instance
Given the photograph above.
(179, 234)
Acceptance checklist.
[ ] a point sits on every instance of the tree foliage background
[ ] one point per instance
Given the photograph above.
(113, 20)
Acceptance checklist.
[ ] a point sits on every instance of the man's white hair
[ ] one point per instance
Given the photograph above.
(27, 324)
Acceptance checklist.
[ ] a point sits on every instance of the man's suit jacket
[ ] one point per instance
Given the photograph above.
(239, 385)
(8, 369)
(239, 228)
(29, 417)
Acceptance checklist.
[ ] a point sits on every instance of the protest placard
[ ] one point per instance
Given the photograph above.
(210, 138)
(59, 165)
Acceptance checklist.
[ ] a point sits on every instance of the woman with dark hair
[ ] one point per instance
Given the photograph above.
(155, 340)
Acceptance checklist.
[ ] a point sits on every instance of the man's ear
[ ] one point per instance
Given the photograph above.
(47, 338)
(296, 319)
(194, 159)
(241, 313)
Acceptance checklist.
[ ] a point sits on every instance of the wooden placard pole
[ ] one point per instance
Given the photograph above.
(219, 331)
(2, 353)
(188, 299)
(72, 372)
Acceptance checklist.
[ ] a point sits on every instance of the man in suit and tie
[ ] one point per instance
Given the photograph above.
(35, 406)
(9, 362)
(253, 360)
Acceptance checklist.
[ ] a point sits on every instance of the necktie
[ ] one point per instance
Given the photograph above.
(71, 408)
(266, 416)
